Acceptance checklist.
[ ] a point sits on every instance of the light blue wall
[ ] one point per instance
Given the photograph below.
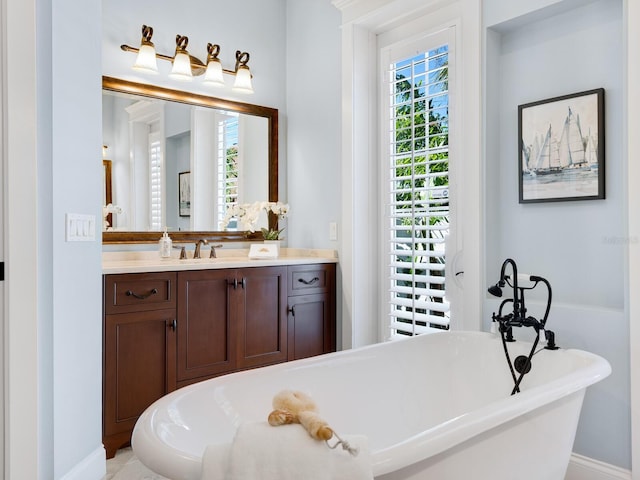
(313, 122)
(46, 381)
(69, 286)
(579, 246)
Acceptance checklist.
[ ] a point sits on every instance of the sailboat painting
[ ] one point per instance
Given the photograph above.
(561, 145)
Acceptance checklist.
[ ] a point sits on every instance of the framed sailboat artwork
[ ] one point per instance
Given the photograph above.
(561, 147)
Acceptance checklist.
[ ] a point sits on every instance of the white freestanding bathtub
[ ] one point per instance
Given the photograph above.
(434, 406)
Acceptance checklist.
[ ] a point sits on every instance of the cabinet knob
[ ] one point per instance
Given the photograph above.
(235, 282)
(173, 324)
(292, 311)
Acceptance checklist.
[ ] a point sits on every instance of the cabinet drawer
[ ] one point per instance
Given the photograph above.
(136, 292)
(310, 279)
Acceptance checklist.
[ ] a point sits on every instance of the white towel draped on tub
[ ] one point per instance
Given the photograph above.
(260, 451)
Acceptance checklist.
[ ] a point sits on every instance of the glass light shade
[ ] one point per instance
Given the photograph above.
(146, 59)
(213, 75)
(181, 67)
(243, 81)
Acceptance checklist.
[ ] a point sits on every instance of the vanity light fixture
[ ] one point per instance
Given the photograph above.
(243, 74)
(213, 75)
(146, 59)
(186, 66)
(181, 69)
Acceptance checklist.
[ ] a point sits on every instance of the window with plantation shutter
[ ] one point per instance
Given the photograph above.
(228, 165)
(155, 181)
(418, 191)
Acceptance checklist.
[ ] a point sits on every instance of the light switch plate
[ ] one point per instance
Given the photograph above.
(80, 227)
(333, 231)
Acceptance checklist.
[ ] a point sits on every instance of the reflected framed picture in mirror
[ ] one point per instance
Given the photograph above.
(184, 193)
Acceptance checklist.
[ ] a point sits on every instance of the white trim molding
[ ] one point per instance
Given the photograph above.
(585, 468)
(19, 157)
(92, 466)
(362, 22)
(632, 147)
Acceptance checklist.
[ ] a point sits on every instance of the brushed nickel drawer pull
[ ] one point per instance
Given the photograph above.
(309, 282)
(129, 293)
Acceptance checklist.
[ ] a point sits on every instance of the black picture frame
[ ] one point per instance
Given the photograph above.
(561, 148)
(184, 194)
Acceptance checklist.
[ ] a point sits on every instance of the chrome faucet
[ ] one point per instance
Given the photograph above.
(199, 243)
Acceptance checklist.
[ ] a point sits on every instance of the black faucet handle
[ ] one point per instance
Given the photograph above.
(551, 340)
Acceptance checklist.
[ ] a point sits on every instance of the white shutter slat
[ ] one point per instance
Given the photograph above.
(228, 164)
(155, 181)
(419, 192)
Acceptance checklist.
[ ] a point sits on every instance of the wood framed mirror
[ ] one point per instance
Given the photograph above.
(255, 181)
(107, 197)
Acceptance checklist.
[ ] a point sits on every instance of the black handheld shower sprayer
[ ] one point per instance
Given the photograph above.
(518, 317)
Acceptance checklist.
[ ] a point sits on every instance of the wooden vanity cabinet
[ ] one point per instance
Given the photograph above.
(166, 330)
(312, 311)
(139, 351)
(230, 320)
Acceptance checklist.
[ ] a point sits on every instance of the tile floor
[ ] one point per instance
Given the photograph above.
(125, 466)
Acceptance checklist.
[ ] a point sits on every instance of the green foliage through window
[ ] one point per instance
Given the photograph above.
(419, 192)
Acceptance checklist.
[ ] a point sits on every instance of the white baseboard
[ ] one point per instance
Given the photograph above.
(93, 467)
(580, 468)
(585, 468)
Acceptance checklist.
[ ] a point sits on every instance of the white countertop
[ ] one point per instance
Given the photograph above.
(150, 261)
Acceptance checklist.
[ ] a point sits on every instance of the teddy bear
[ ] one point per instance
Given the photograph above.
(298, 407)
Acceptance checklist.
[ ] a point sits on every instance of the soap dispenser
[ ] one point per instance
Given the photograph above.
(165, 245)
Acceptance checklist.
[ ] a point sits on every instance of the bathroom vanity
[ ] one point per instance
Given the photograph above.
(171, 323)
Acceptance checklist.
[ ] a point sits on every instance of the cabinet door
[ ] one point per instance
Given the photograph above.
(205, 330)
(310, 326)
(139, 368)
(261, 316)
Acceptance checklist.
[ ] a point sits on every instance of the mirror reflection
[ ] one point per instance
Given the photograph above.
(181, 166)
(180, 159)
